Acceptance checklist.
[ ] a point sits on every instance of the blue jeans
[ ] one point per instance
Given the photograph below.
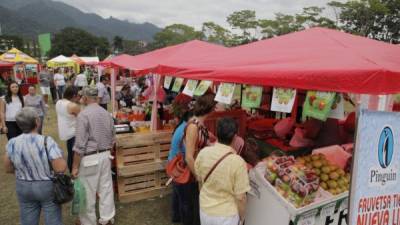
(35, 196)
(60, 92)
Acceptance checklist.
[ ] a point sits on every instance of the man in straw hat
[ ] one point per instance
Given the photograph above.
(95, 137)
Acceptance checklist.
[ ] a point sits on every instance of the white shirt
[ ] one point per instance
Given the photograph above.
(13, 108)
(59, 79)
(81, 80)
(66, 121)
(103, 93)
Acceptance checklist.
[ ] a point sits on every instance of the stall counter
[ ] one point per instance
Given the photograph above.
(267, 207)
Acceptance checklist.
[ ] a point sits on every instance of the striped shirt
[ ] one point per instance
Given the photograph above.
(94, 130)
(28, 155)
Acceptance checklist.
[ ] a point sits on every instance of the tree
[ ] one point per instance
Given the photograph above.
(134, 47)
(284, 23)
(174, 34)
(215, 33)
(312, 17)
(245, 21)
(11, 41)
(378, 19)
(118, 44)
(71, 41)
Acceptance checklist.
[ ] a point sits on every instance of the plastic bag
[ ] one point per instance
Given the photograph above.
(79, 201)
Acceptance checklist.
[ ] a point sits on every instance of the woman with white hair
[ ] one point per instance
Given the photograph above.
(28, 158)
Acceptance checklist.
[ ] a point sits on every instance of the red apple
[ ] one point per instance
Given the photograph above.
(312, 99)
(321, 105)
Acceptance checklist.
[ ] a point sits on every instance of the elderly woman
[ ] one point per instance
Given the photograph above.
(28, 159)
(36, 101)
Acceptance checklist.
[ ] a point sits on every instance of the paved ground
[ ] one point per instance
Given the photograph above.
(148, 212)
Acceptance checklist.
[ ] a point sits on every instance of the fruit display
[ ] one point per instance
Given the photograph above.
(332, 178)
(278, 167)
(293, 181)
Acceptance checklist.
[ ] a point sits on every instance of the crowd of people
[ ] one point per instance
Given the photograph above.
(215, 193)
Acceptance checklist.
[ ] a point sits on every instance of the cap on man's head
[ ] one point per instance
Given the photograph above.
(90, 92)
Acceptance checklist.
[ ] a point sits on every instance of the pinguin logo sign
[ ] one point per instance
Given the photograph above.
(385, 174)
(385, 147)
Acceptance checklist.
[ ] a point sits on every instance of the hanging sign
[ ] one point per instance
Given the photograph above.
(190, 87)
(251, 96)
(177, 84)
(337, 108)
(283, 100)
(225, 93)
(375, 186)
(167, 82)
(318, 104)
(202, 88)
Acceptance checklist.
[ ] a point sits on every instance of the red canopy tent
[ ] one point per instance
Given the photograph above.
(6, 64)
(145, 63)
(313, 59)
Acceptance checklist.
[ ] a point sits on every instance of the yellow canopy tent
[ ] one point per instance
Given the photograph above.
(63, 61)
(16, 56)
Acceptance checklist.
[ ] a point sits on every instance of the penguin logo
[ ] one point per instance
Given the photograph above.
(385, 147)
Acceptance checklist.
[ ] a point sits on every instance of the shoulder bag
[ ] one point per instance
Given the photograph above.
(215, 166)
(63, 187)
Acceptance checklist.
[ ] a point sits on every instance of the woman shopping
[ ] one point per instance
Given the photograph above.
(37, 102)
(182, 113)
(27, 158)
(12, 104)
(196, 137)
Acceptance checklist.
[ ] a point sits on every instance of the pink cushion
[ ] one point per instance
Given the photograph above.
(334, 154)
(284, 127)
(298, 140)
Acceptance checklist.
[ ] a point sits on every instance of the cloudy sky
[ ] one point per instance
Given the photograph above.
(191, 12)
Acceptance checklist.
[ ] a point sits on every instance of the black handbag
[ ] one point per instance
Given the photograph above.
(63, 187)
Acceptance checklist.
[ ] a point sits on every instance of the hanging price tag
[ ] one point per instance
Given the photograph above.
(190, 87)
(251, 96)
(202, 88)
(167, 82)
(283, 100)
(177, 85)
(225, 93)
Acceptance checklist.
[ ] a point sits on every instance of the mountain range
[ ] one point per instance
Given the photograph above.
(29, 18)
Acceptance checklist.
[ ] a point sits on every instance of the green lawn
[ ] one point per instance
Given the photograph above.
(148, 212)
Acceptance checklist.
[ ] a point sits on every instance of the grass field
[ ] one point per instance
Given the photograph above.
(148, 212)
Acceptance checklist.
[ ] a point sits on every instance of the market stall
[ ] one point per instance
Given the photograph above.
(25, 68)
(147, 120)
(317, 75)
(6, 72)
(63, 62)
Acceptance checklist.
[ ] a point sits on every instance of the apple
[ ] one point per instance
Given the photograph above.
(321, 105)
(312, 99)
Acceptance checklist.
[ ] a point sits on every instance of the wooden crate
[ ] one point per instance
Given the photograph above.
(142, 186)
(141, 160)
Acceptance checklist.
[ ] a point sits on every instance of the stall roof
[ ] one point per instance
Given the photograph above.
(77, 59)
(313, 59)
(16, 56)
(62, 61)
(90, 60)
(191, 50)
